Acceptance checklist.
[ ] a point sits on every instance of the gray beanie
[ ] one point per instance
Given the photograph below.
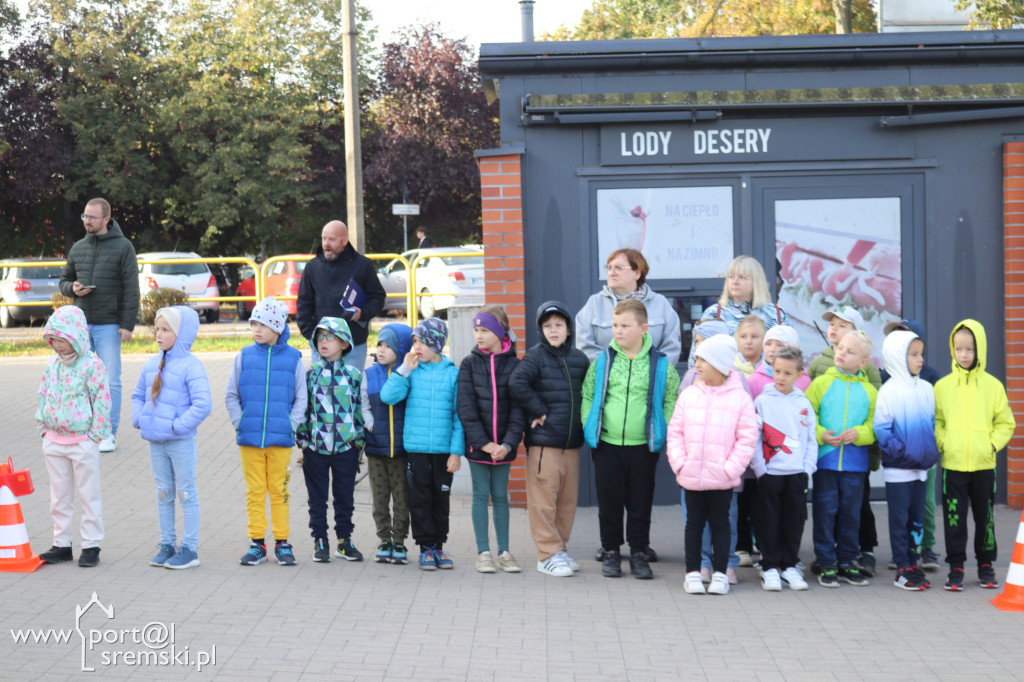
(272, 313)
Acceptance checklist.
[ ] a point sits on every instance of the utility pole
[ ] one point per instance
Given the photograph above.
(353, 145)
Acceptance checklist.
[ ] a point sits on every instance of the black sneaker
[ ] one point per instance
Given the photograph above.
(599, 554)
(955, 580)
(89, 557)
(347, 551)
(828, 577)
(285, 555)
(57, 555)
(815, 567)
(639, 566)
(321, 550)
(849, 573)
(612, 567)
(921, 577)
(929, 560)
(987, 576)
(650, 555)
(866, 564)
(907, 579)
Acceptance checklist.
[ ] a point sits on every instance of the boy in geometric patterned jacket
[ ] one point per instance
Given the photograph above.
(331, 437)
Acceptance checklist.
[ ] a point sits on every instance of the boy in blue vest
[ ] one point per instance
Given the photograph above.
(628, 396)
(266, 401)
(331, 437)
(385, 451)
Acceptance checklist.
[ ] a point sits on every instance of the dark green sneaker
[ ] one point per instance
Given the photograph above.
(828, 577)
(849, 573)
(347, 551)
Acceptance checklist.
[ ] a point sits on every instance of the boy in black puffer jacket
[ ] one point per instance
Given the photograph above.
(548, 384)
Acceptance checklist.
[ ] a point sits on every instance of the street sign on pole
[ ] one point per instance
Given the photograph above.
(405, 209)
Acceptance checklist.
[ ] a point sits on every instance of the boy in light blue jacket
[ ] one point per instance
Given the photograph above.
(432, 435)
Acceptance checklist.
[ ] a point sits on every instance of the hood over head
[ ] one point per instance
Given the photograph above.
(188, 327)
(398, 336)
(332, 325)
(68, 323)
(980, 345)
(894, 353)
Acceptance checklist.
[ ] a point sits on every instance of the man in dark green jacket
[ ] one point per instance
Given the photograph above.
(102, 275)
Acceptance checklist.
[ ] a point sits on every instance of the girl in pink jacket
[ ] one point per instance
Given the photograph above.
(711, 439)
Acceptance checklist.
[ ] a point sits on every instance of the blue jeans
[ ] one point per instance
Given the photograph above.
(337, 471)
(705, 549)
(174, 470)
(906, 521)
(836, 501)
(105, 341)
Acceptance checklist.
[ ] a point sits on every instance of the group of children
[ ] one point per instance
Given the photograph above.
(747, 416)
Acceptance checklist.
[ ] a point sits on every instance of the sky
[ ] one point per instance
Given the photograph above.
(478, 21)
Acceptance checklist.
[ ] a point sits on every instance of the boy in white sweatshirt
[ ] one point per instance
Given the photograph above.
(785, 460)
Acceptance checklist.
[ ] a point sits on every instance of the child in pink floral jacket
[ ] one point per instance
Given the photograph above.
(73, 417)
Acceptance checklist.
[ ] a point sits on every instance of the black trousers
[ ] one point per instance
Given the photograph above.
(430, 493)
(976, 489)
(710, 507)
(746, 505)
(624, 477)
(867, 536)
(781, 508)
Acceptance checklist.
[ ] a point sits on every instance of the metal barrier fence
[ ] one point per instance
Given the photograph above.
(414, 291)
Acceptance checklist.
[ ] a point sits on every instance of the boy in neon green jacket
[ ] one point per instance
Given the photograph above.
(973, 421)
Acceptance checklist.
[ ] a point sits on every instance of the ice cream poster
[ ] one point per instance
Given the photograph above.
(683, 232)
(839, 252)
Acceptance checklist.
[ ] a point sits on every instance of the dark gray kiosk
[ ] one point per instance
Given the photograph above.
(861, 169)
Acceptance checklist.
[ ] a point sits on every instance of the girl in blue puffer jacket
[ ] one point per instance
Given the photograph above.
(170, 400)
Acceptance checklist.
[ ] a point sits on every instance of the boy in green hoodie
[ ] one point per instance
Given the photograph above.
(628, 396)
(973, 421)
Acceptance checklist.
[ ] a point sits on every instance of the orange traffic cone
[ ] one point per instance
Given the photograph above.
(15, 553)
(1012, 598)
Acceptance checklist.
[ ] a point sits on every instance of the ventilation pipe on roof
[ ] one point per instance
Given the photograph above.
(526, 9)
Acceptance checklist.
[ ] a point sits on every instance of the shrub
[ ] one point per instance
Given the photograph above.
(157, 299)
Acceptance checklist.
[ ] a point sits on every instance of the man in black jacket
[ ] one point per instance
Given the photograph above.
(102, 275)
(324, 283)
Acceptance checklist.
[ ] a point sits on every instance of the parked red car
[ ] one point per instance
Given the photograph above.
(283, 279)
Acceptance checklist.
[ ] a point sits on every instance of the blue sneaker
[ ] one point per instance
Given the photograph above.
(257, 554)
(284, 554)
(442, 560)
(165, 553)
(383, 555)
(399, 554)
(427, 560)
(185, 558)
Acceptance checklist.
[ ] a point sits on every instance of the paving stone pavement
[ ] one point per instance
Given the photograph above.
(368, 621)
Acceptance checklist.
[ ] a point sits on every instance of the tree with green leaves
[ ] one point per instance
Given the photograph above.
(614, 19)
(993, 13)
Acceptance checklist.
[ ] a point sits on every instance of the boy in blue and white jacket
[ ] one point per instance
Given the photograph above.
(385, 449)
(433, 436)
(266, 401)
(904, 425)
(784, 462)
(331, 436)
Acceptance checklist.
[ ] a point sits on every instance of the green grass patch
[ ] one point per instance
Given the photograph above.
(144, 342)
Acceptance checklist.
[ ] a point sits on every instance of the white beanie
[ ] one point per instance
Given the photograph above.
(785, 335)
(172, 316)
(272, 313)
(719, 352)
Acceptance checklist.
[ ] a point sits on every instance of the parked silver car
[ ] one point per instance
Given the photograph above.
(195, 279)
(461, 276)
(27, 285)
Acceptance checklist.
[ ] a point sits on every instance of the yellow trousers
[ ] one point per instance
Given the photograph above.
(266, 470)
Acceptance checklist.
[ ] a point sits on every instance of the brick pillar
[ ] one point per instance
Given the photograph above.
(501, 191)
(1013, 236)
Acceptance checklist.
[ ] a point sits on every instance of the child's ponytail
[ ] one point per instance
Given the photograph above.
(157, 381)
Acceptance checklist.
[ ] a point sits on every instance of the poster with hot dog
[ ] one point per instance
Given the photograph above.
(839, 252)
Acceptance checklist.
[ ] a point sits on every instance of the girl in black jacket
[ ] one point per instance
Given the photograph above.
(548, 384)
(493, 427)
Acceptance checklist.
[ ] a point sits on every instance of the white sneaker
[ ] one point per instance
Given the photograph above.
(719, 583)
(554, 566)
(568, 560)
(770, 580)
(693, 584)
(507, 562)
(793, 578)
(108, 444)
(484, 563)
